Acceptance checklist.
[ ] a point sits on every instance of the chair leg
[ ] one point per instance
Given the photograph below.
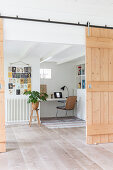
(57, 113)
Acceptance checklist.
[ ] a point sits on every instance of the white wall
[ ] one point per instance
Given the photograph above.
(61, 74)
(43, 32)
(34, 62)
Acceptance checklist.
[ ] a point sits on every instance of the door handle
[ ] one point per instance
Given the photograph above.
(0, 86)
(89, 86)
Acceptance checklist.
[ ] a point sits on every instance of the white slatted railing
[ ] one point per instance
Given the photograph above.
(18, 110)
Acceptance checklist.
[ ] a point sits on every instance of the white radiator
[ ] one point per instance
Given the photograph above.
(18, 110)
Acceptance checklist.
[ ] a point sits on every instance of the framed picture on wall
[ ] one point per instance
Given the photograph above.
(9, 74)
(14, 69)
(29, 75)
(18, 70)
(10, 91)
(25, 81)
(27, 69)
(26, 75)
(9, 69)
(22, 75)
(18, 92)
(17, 75)
(21, 69)
(19, 79)
(10, 85)
(13, 75)
(10, 80)
(22, 81)
(29, 80)
(25, 86)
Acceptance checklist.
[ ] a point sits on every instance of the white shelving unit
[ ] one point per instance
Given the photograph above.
(81, 91)
(80, 77)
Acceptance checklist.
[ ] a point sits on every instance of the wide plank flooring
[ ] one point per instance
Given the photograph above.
(40, 148)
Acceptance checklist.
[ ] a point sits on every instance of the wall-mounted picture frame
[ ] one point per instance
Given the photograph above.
(9, 74)
(29, 87)
(17, 91)
(10, 80)
(26, 75)
(10, 91)
(29, 80)
(17, 75)
(19, 80)
(25, 86)
(25, 81)
(22, 75)
(10, 85)
(17, 86)
(18, 70)
(29, 75)
(27, 69)
(21, 70)
(9, 69)
(22, 81)
(13, 75)
(14, 69)
(14, 81)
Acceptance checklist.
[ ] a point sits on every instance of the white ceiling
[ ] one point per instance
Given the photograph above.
(47, 52)
(96, 11)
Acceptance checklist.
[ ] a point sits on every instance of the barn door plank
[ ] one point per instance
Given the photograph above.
(2, 93)
(99, 75)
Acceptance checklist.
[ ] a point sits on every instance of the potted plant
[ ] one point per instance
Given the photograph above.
(35, 97)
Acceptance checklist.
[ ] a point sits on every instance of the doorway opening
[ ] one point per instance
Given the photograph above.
(62, 77)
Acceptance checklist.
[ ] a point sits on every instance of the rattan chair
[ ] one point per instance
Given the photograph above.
(70, 104)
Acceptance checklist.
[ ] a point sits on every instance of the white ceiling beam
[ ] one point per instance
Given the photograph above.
(71, 58)
(29, 50)
(54, 53)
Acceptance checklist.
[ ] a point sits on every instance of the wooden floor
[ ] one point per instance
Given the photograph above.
(39, 148)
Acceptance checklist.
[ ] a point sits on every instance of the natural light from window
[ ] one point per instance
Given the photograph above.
(45, 73)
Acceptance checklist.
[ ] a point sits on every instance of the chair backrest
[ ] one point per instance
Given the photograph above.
(70, 102)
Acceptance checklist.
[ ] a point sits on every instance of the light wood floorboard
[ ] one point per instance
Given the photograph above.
(39, 148)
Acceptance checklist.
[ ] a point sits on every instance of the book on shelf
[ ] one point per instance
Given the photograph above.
(83, 84)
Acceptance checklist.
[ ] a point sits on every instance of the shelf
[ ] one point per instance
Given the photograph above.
(80, 75)
(81, 89)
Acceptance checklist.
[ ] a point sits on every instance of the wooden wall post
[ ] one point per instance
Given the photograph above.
(2, 94)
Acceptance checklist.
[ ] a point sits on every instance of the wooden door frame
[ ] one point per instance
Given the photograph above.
(2, 94)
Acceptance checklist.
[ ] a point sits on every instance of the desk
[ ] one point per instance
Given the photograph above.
(48, 107)
(56, 99)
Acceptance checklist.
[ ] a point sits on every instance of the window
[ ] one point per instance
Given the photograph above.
(45, 73)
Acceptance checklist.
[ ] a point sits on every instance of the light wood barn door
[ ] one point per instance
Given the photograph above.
(99, 85)
(2, 93)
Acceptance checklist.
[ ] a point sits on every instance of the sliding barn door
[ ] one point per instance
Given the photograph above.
(99, 84)
(2, 91)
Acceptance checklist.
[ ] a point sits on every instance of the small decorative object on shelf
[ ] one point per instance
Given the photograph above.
(79, 85)
(83, 71)
(83, 84)
(80, 76)
(79, 70)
